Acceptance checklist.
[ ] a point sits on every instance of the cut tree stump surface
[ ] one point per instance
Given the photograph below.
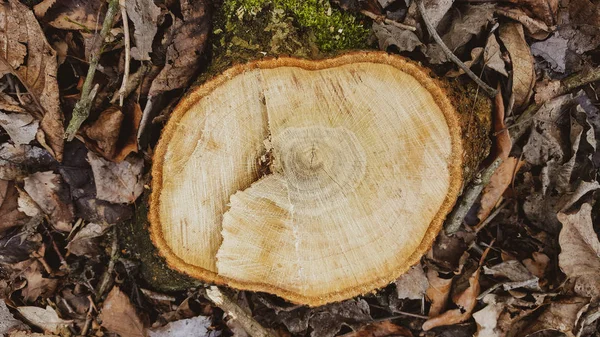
(313, 180)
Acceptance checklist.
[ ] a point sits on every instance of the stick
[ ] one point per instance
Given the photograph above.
(114, 255)
(81, 111)
(382, 18)
(123, 88)
(457, 216)
(228, 305)
(489, 90)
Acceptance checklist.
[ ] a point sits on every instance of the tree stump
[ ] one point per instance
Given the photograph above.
(312, 180)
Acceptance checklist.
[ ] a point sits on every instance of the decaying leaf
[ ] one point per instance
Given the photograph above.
(196, 326)
(437, 292)
(144, 14)
(492, 56)
(515, 275)
(560, 315)
(71, 14)
(17, 160)
(117, 182)
(466, 302)
(546, 90)
(537, 264)
(381, 329)
(580, 250)
(85, 241)
(544, 10)
(26, 54)
(119, 316)
(51, 194)
(413, 284)
(523, 74)
(436, 9)
(534, 28)
(37, 285)
(553, 50)
(499, 182)
(45, 319)
(7, 321)
(487, 321)
(20, 127)
(328, 320)
(189, 36)
(402, 39)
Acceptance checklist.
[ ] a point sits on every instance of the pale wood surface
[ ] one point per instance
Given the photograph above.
(363, 163)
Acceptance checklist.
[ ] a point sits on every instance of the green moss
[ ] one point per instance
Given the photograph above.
(330, 28)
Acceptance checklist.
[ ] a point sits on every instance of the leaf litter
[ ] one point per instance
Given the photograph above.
(61, 204)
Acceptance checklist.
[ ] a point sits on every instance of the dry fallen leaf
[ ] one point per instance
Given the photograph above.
(380, 329)
(560, 315)
(389, 35)
(197, 326)
(544, 10)
(487, 321)
(71, 14)
(546, 90)
(52, 196)
(553, 50)
(413, 284)
(7, 321)
(119, 316)
(85, 241)
(37, 285)
(499, 182)
(20, 127)
(144, 15)
(523, 73)
(492, 56)
(580, 251)
(45, 319)
(516, 274)
(537, 264)
(119, 183)
(26, 54)
(189, 35)
(438, 292)
(10, 216)
(534, 28)
(16, 161)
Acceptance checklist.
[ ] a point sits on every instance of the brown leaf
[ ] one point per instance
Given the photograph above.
(546, 90)
(104, 132)
(523, 73)
(534, 28)
(128, 142)
(499, 182)
(492, 56)
(466, 302)
(10, 216)
(437, 292)
(189, 36)
(51, 194)
(503, 142)
(17, 161)
(71, 14)
(584, 12)
(412, 284)
(537, 264)
(119, 183)
(544, 10)
(389, 35)
(381, 329)
(37, 285)
(26, 54)
(516, 275)
(580, 250)
(561, 315)
(85, 242)
(144, 15)
(119, 316)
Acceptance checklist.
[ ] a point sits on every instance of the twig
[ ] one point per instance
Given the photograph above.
(114, 255)
(145, 117)
(81, 111)
(88, 318)
(228, 305)
(489, 90)
(457, 216)
(491, 217)
(127, 49)
(382, 18)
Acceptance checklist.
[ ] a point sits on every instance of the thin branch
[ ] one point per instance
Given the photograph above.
(382, 18)
(489, 90)
(123, 88)
(228, 305)
(114, 256)
(81, 111)
(455, 219)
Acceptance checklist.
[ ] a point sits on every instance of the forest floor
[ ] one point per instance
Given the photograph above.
(524, 261)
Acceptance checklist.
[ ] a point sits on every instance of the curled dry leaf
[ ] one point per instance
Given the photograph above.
(20, 127)
(119, 183)
(413, 284)
(26, 54)
(144, 15)
(381, 329)
(437, 292)
(52, 196)
(499, 182)
(523, 73)
(71, 14)
(515, 275)
(534, 28)
(544, 10)
(119, 316)
(580, 250)
(45, 319)
(189, 36)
